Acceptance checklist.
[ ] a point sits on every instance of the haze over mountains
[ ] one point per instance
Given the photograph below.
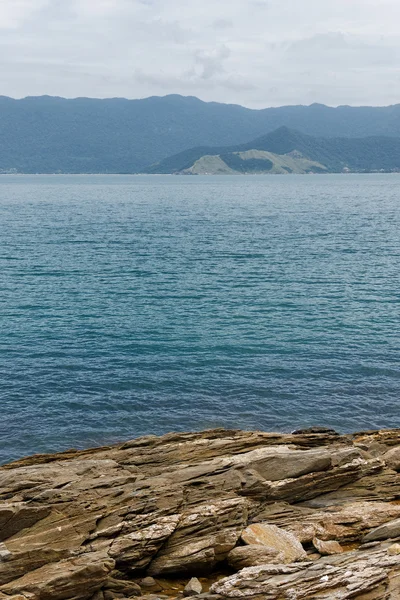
(55, 135)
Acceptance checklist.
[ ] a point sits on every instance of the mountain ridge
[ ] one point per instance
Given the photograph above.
(46, 134)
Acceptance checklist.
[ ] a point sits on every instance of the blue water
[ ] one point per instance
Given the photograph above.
(135, 305)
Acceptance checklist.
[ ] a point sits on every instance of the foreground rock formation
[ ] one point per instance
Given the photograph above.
(251, 515)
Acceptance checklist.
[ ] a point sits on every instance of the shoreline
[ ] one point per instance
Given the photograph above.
(310, 514)
(80, 451)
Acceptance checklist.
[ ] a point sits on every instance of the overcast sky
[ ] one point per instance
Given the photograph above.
(253, 52)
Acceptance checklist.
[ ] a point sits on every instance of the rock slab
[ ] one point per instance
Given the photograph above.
(278, 539)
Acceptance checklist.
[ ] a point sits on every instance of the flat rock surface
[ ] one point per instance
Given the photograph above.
(94, 524)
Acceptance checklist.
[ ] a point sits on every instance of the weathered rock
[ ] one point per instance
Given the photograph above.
(205, 535)
(374, 575)
(193, 587)
(254, 555)
(384, 532)
(75, 578)
(327, 548)
(315, 429)
(81, 525)
(135, 550)
(392, 459)
(154, 597)
(278, 539)
(345, 523)
(150, 584)
(121, 588)
(394, 549)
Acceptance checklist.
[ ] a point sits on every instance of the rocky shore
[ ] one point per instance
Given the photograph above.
(213, 515)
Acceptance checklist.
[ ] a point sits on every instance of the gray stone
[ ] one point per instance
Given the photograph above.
(384, 532)
(193, 587)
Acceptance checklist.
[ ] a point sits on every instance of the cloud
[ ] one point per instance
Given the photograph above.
(252, 52)
(208, 63)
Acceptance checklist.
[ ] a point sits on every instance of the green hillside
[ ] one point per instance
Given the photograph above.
(253, 162)
(292, 151)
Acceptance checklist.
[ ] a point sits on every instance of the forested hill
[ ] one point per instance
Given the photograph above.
(368, 154)
(49, 135)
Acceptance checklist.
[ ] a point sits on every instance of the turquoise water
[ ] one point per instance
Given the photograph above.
(135, 305)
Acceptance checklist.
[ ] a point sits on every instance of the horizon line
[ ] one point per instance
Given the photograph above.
(190, 97)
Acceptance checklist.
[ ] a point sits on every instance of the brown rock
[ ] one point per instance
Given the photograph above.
(346, 523)
(72, 578)
(371, 575)
(254, 555)
(327, 548)
(205, 535)
(394, 549)
(150, 584)
(392, 459)
(273, 537)
(80, 525)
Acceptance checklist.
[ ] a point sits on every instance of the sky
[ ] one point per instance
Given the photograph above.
(257, 53)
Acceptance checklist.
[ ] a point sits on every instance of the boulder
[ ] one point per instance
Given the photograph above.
(149, 584)
(327, 548)
(193, 587)
(392, 459)
(273, 537)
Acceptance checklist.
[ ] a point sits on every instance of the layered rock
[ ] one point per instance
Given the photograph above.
(94, 524)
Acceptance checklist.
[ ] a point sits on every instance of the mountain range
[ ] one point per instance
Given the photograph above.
(56, 135)
(288, 151)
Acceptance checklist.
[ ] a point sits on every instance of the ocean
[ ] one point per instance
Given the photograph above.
(134, 305)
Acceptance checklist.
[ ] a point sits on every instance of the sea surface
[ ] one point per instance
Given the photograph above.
(134, 305)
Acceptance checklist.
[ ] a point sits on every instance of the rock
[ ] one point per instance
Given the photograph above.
(392, 459)
(326, 548)
(85, 525)
(193, 587)
(135, 550)
(384, 532)
(72, 578)
(155, 597)
(315, 430)
(345, 523)
(150, 584)
(205, 535)
(373, 575)
(121, 588)
(394, 549)
(254, 555)
(273, 537)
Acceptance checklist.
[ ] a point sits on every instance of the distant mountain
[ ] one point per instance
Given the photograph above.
(288, 151)
(47, 135)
